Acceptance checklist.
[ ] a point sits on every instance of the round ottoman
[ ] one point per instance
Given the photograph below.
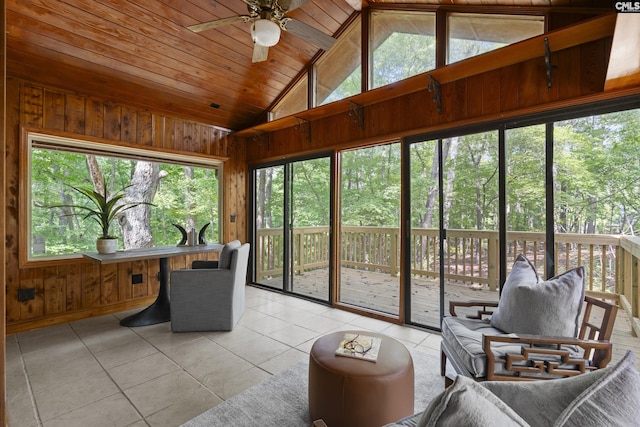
(344, 391)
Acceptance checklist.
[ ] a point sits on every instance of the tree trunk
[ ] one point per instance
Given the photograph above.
(451, 145)
(432, 196)
(96, 175)
(262, 179)
(135, 222)
(267, 198)
(190, 220)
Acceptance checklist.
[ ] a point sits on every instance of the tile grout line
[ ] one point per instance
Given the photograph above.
(32, 397)
(181, 368)
(106, 373)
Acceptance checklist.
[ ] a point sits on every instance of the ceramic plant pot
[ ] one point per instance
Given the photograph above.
(107, 246)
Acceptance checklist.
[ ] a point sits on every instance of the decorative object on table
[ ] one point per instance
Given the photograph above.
(190, 238)
(104, 211)
(182, 241)
(201, 239)
(359, 346)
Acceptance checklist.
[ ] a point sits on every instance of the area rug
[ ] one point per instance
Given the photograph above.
(281, 400)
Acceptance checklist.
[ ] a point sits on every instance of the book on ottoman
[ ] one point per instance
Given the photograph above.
(359, 346)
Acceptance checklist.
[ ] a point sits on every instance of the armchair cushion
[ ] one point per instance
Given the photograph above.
(464, 337)
(531, 306)
(225, 254)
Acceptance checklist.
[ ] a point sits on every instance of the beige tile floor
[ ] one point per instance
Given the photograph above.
(96, 373)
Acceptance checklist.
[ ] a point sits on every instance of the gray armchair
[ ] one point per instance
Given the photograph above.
(209, 299)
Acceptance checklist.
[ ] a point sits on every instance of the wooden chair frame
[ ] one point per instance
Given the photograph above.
(593, 339)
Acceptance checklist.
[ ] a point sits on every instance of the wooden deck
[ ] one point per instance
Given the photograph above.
(380, 291)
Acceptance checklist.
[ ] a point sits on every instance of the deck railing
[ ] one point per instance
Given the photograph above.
(472, 257)
(629, 279)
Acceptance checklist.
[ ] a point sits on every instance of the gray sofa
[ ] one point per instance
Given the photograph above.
(210, 296)
(606, 397)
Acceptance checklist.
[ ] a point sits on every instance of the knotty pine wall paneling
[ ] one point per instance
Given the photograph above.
(77, 289)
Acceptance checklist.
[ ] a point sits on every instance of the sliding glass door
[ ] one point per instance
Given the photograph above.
(370, 228)
(560, 192)
(310, 219)
(269, 235)
(453, 220)
(292, 212)
(525, 150)
(470, 217)
(424, 243)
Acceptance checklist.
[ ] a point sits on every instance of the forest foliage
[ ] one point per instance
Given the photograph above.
(596, 173)
(185, 195)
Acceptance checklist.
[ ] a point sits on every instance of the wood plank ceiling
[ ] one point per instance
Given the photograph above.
(141, 54)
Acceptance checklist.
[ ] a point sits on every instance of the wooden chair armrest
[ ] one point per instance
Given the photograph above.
(533, 362)
(484, 304)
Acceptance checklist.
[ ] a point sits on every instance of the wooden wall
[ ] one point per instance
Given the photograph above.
(3, 51)
(512, 90)
(76, 289)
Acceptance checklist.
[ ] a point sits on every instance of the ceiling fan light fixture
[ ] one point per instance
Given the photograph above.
(265, 32)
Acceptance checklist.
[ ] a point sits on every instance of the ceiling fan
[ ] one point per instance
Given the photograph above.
(267, 18)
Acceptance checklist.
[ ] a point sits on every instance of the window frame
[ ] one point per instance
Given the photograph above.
(101, 147)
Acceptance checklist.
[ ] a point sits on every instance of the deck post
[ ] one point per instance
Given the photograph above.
(395, 270)
(492, 263)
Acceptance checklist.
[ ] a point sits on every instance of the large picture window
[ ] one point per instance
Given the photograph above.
(181, 189)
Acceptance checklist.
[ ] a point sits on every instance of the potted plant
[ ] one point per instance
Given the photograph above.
(103, 210)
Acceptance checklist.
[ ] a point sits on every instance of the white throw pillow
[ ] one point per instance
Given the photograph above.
(531, 306)
(613, 400)
(467, 403)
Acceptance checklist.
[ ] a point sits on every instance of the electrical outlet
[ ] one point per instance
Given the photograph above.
(26, 294)
(136, 278)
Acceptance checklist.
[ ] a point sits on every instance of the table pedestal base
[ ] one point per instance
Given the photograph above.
(160, 310)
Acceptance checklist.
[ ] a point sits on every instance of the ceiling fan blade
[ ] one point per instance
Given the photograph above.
(260, 53)
(218, 23)
(308, 33)
(288, 5)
